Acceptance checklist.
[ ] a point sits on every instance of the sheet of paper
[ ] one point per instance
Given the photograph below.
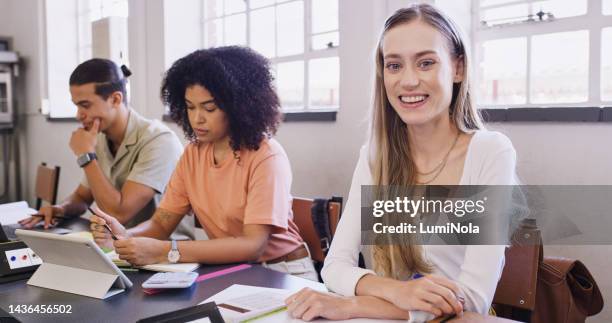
(242, 298)
(258, 301)
(240, 291)
(11, 213)
(177, 268)
(237, 291)
(283, 317)
(82, 234)
(204, 320)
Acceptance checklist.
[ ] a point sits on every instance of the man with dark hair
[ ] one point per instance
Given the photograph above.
(127, 160)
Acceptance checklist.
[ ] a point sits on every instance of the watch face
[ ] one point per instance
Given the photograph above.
(82, 160)
(173, 256)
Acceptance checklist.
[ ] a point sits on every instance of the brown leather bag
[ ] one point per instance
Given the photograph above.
(539, 289)
(566, 292)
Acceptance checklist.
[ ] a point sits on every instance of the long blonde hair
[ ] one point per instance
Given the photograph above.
(390, 156)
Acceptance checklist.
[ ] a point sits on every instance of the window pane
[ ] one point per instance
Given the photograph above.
(290, 84)
(84, 31)
(213, 33)
(116, 8)
(213, 8)
(85, 52)
(324, 15)
(607, 7)
(235, 29)
(484, 3)
(3, 98)
(234, 6)
(324, 75)
(504, 15)
(106, 9)
(262, 31)
(503, 72)
(290, 28)
(84, 6)
(260, 3)
(324, 41)
(559, 67)
(561, 8)
(606, 64)
(96, 9)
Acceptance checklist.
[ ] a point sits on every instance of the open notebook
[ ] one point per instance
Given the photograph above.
(254, 304)
(241, 303)
(163, 267)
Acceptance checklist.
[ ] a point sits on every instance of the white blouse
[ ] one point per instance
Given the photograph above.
(490, 160)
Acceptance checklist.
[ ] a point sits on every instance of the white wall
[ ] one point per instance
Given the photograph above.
(60, 44)
(323, 154)
(568, 154)
(146, 46)
(28, 40)
(183, 29)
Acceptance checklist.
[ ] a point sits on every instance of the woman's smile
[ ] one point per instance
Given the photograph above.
(413, 101)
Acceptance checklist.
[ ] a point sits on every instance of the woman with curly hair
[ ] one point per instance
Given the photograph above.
(232, 175)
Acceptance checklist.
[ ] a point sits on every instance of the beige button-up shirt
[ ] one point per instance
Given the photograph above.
(147, 155)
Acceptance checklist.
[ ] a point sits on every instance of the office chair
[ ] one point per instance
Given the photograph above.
(302, 216)
(47, 181)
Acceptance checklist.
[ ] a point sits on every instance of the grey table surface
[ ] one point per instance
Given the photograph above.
(134, 304)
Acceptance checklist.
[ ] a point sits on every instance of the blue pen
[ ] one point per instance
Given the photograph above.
(459, 298)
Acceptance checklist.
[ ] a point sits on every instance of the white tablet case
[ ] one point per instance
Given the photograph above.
(74, 265)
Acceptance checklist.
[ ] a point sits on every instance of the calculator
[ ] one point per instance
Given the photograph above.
(170, 280)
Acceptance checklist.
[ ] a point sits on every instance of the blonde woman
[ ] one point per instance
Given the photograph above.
(424, 130)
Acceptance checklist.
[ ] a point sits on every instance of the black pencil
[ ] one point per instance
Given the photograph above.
(105, 225)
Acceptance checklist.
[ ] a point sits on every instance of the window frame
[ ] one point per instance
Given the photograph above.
(84, 9)
(593, 21)
(83, 50)
(307, 112)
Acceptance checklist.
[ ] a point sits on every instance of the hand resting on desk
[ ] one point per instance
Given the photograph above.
(309, 304)
(429, 293)
(50, 214)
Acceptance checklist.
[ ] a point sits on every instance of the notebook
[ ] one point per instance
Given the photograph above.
(240, 303)
(162, 267)
(254, 304)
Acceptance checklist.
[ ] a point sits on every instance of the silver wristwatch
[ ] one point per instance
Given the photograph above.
(173, 254)
(86, 158)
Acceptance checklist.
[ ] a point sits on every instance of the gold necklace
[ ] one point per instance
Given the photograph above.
(442, 163)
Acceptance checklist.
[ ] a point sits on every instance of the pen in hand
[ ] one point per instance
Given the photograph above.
(460, 298)
(105, 224)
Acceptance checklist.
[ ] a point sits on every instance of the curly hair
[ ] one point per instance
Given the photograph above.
(239, 80)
